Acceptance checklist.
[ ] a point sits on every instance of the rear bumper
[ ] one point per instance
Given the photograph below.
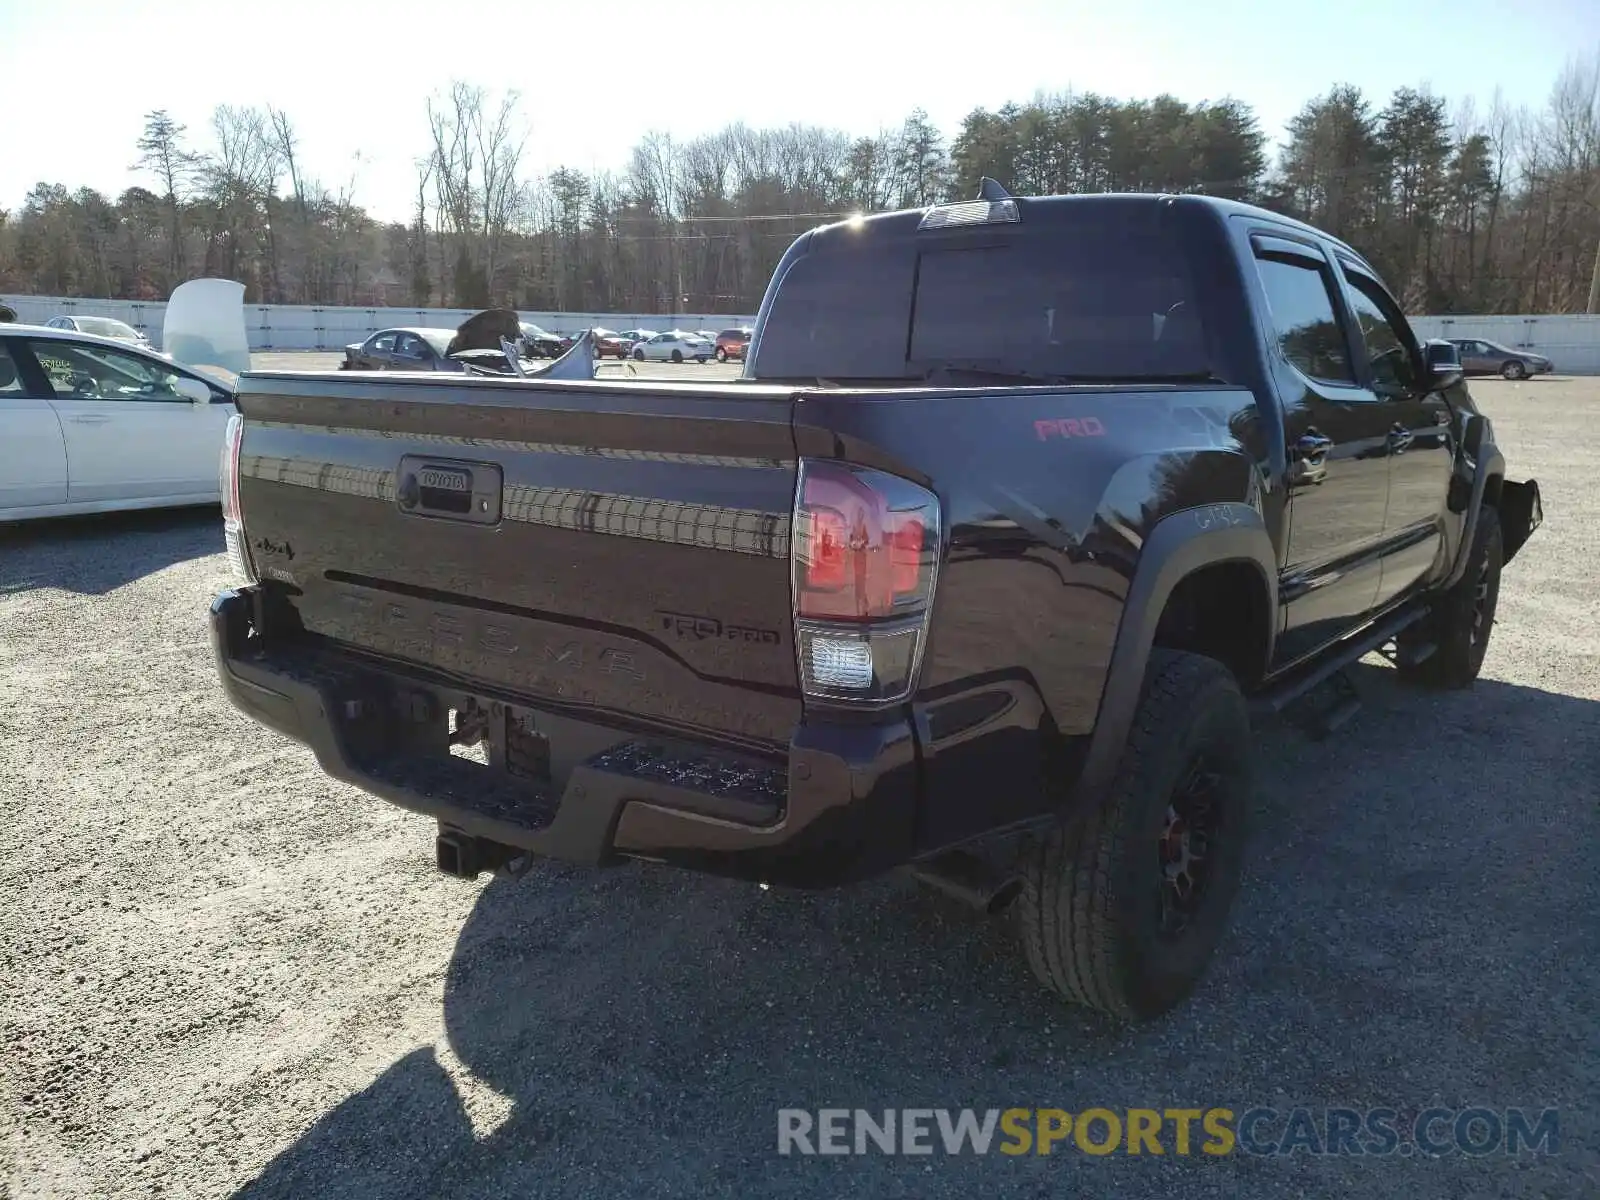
(841, 808)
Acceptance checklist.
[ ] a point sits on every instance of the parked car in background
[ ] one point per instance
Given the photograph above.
(407, 349)
(608, 343)
(106, 327)
(731, 344)
(540, 343)
(93, 424)
(1479, 356)
(675, 346)
(635, 336)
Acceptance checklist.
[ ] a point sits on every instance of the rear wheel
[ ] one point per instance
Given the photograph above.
(638, 356)
(1515, 369)
(1122, 909)
(1462, 618)
(677, 356)
(722, 355)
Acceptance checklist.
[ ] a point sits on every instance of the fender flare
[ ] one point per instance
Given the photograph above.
(1490, 463)
(1179, 545)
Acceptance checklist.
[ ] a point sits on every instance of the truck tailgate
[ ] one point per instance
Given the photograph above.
(622, 549)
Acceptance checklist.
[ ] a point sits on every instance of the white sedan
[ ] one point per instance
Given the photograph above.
(92, 424)
(674, 346)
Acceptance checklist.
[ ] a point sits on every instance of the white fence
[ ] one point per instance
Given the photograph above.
(1571, 342)
(308, 327)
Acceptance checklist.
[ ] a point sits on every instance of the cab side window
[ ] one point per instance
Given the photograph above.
(1300, 296)
(1391, 353)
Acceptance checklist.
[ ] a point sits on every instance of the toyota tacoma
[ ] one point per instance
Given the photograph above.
(1021, 510)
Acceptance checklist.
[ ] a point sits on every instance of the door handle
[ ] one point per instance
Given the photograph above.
(89, 420)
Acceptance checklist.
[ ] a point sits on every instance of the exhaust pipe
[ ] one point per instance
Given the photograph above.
(973, 881)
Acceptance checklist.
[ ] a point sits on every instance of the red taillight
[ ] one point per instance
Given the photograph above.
(825, 572)
(864, 550)
(865, 553)
(906, 550)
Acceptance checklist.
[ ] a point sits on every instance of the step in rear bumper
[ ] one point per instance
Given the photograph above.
(841, 808)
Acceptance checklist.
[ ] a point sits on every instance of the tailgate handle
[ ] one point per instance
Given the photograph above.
(449, 489)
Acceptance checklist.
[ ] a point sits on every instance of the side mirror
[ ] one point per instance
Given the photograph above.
(1442, 362)
(192, 390)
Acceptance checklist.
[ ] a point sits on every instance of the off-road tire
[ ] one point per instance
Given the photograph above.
(1090, 911)
(1463, 617)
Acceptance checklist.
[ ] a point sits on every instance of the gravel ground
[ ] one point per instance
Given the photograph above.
(226, 975)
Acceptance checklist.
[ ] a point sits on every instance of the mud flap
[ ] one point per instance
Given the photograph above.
(1521, 512)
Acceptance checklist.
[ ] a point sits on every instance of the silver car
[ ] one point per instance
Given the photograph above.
(106, 327)
(1479, 356)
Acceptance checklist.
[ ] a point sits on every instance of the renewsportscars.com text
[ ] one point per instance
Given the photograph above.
(1430, 1132)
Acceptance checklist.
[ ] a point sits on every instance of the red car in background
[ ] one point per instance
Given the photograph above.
(731, 343)
(606, 342)
(610, 343)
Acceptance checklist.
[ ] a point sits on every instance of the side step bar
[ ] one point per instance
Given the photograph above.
(1282, 693)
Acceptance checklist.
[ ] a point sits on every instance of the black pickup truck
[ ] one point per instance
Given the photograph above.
(1020, 511)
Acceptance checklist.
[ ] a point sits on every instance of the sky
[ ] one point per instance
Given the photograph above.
(355, 76)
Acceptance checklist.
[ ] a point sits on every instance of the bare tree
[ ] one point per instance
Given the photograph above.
(421, 281)
(476, 157)
(500, 145)
(288, 144)
(163, 154)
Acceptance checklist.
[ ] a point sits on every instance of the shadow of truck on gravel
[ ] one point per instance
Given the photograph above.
(93, 555)
(1410, 932)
